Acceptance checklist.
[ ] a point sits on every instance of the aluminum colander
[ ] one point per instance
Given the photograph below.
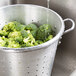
(36, 60)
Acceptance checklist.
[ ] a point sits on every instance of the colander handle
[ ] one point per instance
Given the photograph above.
(72, 26)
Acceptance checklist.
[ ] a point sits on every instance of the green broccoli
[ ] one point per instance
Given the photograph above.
(33, 29)
(48, 38)
(14, 26)
(38, 42)
(9, 27)
(43, 32)
(3, 33)
(29, 44)
(24, 33)
(34, 33)
(23, 45)
(13, 44)
(16, 35)
(2, 41)
(30, 40)
(18, 26)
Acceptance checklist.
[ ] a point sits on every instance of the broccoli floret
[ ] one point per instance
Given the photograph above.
(30, 40)
(34, 33)
(14, 26)
(19, 39)
(43, 32)
(16, 35)
(29, 44)
(2, 41)
(48, 38)
(33, 29)
(9, 27)
(19, 26)
(6, 40)
(24, 33)
(38, 42)
(23, 45)
(13, 44)
(3, 33)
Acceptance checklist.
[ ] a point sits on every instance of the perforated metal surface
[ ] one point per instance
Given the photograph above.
(35, 63)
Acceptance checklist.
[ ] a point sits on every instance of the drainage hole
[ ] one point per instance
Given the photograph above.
(42, 72)
(28, 67)
(37, 65)
(36, 70)
(44, 56)
(44, 61)
(5, 22)
(38, 21)
(47, 73)
(28, 72)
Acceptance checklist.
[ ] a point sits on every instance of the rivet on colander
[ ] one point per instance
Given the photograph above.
(60, 37)
(59, 42)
